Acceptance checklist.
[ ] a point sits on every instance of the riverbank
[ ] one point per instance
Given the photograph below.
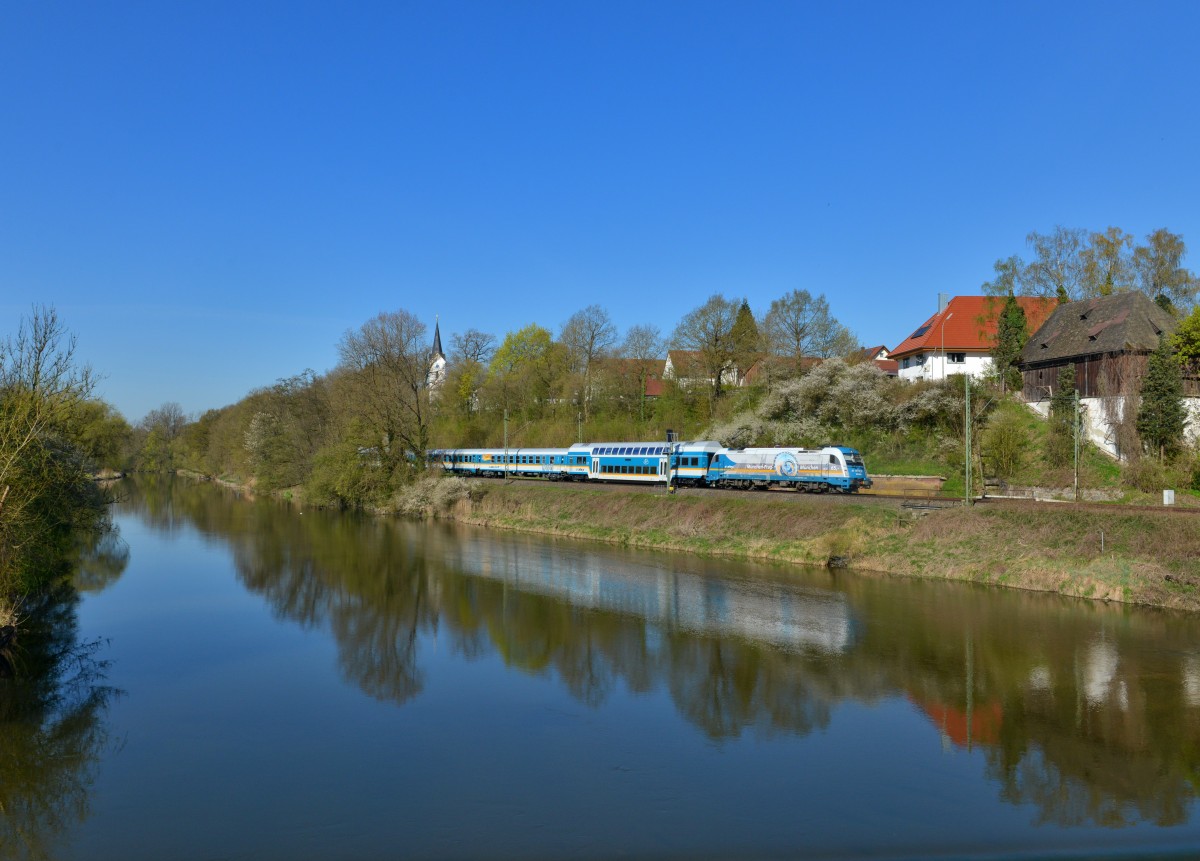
(1150, 558)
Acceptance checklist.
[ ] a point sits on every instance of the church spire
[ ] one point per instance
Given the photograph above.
(437, 341)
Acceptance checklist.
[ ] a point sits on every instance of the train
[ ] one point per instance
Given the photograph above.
(702, 463)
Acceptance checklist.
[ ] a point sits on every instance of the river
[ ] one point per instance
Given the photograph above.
(286, 684)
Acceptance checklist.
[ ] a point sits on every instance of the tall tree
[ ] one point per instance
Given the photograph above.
(645, 345)
(1012, 331)
(707, 331)
(587, 335)
(470, 354)
(474, 346)
(1160, 273)
(747, 344)
(798, 326)
(520, 373)
(1056, 269)
(1162, 416)
(387, 360)
(1060, 443)
(1108, 263)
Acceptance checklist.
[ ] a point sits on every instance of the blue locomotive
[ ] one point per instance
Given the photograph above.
(699, 464)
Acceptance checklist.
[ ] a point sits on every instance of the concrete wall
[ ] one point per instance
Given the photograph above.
(1096, 425)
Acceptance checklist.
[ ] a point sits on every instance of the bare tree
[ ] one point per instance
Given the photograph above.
(389, 360)
(473, 346)
(798, 325)
(645, 345)
(708, 332)
(1057, 267)
(587, 335)
(169, 420)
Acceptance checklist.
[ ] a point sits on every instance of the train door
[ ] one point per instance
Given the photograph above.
(595, 466)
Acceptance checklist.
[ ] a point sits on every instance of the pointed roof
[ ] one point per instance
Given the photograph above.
(1121, 323)
(968, 324)
(437, 341)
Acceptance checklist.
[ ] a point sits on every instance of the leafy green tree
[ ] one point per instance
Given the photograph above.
(746, 340)
(1012, 331)
(522, 369)
(1186, 343)
(1060, 443)
(1162, 416)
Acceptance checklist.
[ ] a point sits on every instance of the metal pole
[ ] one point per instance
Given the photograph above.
(944, 322)
(506, 445)
(1076, 429)
(967, 420)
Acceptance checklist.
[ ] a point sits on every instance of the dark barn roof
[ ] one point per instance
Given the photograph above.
(1121, 323)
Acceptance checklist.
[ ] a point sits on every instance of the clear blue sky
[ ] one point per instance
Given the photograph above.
(212, 193)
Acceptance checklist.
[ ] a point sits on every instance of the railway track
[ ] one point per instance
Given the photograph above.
(908, 501)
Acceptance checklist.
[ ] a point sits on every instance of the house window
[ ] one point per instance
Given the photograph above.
(956, 358)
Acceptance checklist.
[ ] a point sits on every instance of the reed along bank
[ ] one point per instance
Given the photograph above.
(1150, 557)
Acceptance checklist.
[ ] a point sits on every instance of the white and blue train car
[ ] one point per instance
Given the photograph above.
(638, 462)
(555, 464)
(830, 468)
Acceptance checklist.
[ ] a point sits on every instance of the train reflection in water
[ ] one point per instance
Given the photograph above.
(786, 616)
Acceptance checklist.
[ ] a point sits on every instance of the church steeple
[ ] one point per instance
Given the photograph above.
(437, 341)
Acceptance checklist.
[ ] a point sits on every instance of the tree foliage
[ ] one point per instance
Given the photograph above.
(48, 439)
(1012, 331)
(1060, 445)
(386, 367)
(1161, 417)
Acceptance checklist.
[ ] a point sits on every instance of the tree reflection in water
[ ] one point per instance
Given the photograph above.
(1089, 712)
(52, 729)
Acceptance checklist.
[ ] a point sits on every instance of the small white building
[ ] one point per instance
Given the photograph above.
(959, 338)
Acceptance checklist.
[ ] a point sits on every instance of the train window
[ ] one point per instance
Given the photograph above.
(832, 459)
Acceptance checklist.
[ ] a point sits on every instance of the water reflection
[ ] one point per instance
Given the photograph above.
(1088, 712)
(52, 730)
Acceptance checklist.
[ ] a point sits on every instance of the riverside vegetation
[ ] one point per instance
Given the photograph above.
(55, 438)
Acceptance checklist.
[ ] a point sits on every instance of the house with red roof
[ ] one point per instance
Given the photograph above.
(959, 338)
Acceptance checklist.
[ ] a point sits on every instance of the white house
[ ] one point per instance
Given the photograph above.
(959, 338)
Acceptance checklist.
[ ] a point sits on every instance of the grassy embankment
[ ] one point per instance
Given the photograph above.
(1147, 558)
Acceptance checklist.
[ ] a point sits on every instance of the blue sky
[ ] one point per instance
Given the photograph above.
(212, 194)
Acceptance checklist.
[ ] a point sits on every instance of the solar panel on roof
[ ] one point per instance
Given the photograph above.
(920, 332)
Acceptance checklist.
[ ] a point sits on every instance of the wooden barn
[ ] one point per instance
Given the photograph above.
(1108, 339)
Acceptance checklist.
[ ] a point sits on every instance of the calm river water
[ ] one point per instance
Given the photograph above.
(287, 685)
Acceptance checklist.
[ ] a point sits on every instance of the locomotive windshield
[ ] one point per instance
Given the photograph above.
(854, 458)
